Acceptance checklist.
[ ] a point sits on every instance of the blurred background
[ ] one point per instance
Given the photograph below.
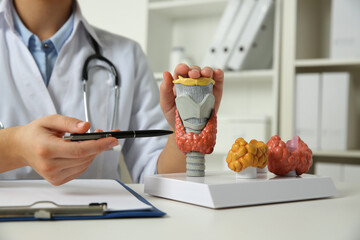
(291, 66)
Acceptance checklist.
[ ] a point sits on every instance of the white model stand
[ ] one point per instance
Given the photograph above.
(223, 189)
(249, 173)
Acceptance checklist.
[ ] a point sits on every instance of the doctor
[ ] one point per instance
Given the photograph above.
(43, 47)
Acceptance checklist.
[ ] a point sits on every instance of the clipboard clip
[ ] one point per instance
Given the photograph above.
(53, 209)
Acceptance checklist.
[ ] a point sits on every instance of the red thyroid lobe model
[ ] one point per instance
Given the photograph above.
(203, 142)
(283, 158)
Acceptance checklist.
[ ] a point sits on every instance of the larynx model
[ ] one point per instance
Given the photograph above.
(195, 123)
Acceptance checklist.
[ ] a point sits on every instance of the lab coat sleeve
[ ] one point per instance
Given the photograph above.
(141, 154)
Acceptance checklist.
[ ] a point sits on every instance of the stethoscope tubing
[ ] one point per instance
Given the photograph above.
(116, 78)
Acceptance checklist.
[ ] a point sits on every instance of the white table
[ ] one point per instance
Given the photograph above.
(334, 218)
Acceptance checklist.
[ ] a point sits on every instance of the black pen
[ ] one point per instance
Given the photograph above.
(117, 134)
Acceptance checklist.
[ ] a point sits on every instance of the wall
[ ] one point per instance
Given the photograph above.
(124, 17)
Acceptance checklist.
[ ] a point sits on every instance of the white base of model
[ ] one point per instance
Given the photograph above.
(223, 189)
(262, 170)
(249, 172)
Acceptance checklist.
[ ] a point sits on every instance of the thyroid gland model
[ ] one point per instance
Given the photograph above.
(290, 159)
(244, 158)
(195, 122)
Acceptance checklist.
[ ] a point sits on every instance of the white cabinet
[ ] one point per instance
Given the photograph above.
(339, 172)
(305, 48)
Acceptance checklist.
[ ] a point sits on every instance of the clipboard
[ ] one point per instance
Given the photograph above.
(34, 211)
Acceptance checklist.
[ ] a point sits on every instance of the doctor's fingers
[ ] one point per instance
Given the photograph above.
(63, 173)
(113, 130)
(186, 71)
(218, 76)
(64, 124)
(167, 88)
(207, 72)
(62, 164)
(167, 98)
(68, 149)
(77, 173)
(194, 72)
(182, 70)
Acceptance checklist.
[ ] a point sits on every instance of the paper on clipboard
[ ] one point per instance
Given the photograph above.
(76, 192)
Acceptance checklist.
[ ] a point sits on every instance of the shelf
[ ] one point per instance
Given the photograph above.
(247, 75)
(319, 153)
(326, 62)
(345, 154)
(263, 75)
(186, 8)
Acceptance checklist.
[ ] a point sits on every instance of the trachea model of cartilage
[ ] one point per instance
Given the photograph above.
(195, 122)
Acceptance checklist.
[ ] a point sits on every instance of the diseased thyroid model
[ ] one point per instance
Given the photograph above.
(195, 122)
(293, 157)
(245, 155)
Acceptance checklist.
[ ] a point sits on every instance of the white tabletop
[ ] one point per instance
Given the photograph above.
(334, 218)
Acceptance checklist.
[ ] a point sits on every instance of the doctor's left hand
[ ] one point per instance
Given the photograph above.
(58, 161)
(172, 160)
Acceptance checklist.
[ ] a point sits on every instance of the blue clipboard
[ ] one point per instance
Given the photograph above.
(152, 212)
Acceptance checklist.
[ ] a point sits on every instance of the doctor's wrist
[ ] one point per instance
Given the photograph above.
(171, 160)
(10, 149)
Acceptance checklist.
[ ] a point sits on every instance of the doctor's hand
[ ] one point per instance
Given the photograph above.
(167, 89)
(172, 160)
(41, 147)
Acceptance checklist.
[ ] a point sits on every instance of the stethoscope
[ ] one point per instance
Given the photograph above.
(114, 74)
(85, 71)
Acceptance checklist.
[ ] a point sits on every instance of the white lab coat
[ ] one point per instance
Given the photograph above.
(24, 96)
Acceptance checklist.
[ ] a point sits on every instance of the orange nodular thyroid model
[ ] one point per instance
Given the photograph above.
(203, 142)
(243, 155)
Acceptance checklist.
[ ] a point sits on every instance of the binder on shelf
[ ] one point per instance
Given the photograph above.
(345, 31)
(31, 200)
(260, 54)
(258, 17)
(337, 120)
(234, 33)
(307, 108)
(222, 30)
(325, 118)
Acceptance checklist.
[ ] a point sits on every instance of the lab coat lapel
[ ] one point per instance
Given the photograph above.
(65, 86)
(28, 79)
(65, 82)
